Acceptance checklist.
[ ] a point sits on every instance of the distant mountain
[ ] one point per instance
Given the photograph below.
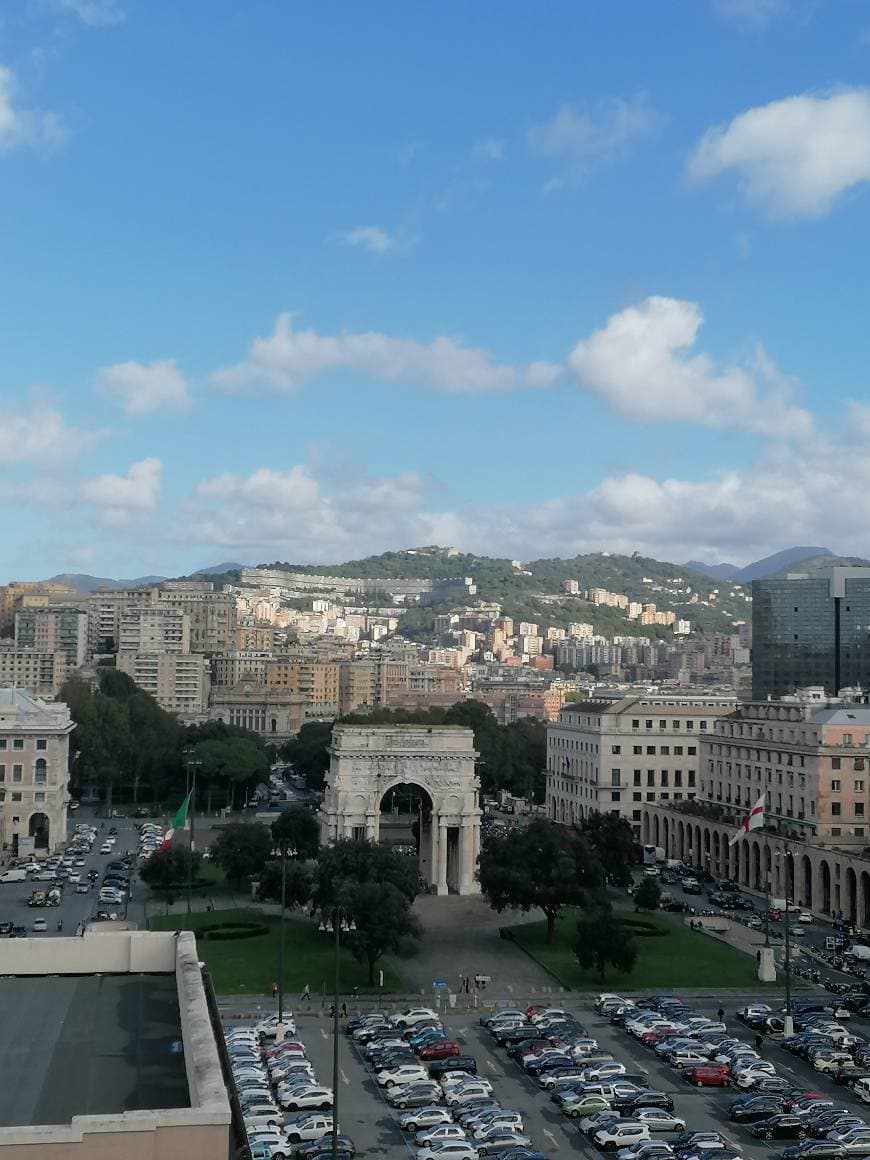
(218, 569)
(82, 582)
(779, 561)
(822, 565)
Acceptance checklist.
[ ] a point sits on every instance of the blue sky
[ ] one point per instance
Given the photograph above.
(308, 281)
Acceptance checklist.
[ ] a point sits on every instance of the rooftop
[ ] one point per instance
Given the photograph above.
(78, 1045)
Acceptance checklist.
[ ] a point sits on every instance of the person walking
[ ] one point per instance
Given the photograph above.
(306, 993)
(343, 1012)
(720, 1014)
(274, 990)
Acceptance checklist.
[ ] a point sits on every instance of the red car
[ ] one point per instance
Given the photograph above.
(441, 1049)
(650, 1038)
(709, 1075)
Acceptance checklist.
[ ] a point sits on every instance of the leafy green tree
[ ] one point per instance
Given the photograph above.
(297, 828)
(376, 888)
(242, 850)
(298, 883)
(613, 840)
(231, 762)
(540, 865)
(308, 753)
(602, 941)
(168, 871)
(648, 894)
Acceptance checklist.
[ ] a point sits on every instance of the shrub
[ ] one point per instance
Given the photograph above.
(231, 930)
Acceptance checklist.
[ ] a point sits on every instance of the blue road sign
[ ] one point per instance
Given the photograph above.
(439, 983)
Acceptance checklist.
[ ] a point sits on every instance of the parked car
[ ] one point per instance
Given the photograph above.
(785, 1125)
(708, 1075)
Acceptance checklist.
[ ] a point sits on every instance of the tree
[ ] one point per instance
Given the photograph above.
(648, 894)
(297, 828)
(308, 752)
(297, 883)
(613, 841)
(602, 941)
(168, 870)
(242, 849)
(539, 865)
(376, 889)
(231, 761)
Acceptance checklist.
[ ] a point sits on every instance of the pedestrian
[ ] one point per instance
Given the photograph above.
(274, 990)
(759, 1043)
(343, 1012)
(720, 1014)
(306, 993)
(332, 1011)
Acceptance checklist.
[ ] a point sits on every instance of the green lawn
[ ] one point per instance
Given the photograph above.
(680, 958)
(250, 966)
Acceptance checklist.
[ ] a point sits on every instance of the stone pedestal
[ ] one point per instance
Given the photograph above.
(766, 965)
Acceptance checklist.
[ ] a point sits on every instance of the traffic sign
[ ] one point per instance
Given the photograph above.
(439, 984)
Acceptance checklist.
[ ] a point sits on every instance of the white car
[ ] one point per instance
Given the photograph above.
(439, 1132)
(463, 1095)
(805, 916)
(416, 1015)
(549, 1013)
(407, 1073)
(267, 1027)
(262, 1123)
(448, 1150)
(621, 1133)
(659, 1120)
(310, 1097)
(428, 1117)
(310, 1127)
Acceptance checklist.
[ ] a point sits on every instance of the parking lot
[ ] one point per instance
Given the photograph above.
(367, 1117)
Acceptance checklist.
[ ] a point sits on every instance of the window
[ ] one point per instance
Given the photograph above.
(663, 724)
(691, 750)
(692, 779)
(637, 750)
(39, 797)
(16, 772)
(614, 777)
(847, 738)
(637, 797)
(650, 749)
(690, 725)
(636, 776)
(18, 743)
(835, 831)
(650, 797)
(664, 780)
(703, 725)
(859, 831)
(635, 723)
(650, 777)
(835, 763)
(859, 809)
(664, 750)
(836, 809)
(2, 742)
(859, 785)
(678, 777)
(664, 796)
(16, 797)
(648, 724)
(2, 773)
(859, 764)
(616, 749)
(678, 797)
(835, 785)
(635, 815)
(41, 743)
(616, 795)
(678, 751)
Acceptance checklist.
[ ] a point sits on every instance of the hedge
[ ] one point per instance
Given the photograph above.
(232, 930)
(643, 928)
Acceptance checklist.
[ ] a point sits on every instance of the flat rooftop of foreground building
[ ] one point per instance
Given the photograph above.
(83, 1045)
(109, 1050)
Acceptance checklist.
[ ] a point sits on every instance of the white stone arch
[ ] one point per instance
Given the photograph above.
(366, 762)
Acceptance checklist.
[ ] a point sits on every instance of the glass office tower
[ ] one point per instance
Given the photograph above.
(811, 631)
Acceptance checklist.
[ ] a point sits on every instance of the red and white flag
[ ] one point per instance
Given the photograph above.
(754, 820)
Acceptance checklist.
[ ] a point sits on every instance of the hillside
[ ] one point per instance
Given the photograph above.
(82, 582)
(786, 560)
(534, 592)
(821, 565)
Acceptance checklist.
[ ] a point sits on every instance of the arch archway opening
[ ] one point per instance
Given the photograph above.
(38, 829)
(405, 824)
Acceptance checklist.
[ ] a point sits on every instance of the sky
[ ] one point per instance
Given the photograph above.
(308, 281)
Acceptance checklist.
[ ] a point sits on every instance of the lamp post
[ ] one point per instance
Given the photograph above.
(338, 921)
(788, 1022)
(284, 853)
(191, 793)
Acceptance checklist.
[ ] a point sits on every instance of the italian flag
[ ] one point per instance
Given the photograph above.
(179, 822)
(754, 820)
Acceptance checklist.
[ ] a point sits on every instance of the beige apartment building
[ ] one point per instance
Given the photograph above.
(40, 673)
(145, 630)
(211, 615)
(616, 755)
(30, 593)
(34, 772)
(231, 668)
(812, 760)
(55, 628)
(178, 682)
(316, 682)
(356, 687)
(258, 637)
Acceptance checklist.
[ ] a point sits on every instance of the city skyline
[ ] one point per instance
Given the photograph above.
(309, 285)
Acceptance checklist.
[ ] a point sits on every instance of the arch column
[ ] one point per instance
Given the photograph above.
(469, 850)
(441, 874)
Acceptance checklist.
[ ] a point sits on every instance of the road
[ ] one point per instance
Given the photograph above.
(76, 908)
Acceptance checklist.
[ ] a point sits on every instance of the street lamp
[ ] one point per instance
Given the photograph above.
(192, 766)
(292, 852)
(338, 922)
(788, 1028)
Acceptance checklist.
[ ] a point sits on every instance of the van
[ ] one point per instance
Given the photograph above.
(13, 876)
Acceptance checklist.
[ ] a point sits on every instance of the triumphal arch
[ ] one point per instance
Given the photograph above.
(367, 762)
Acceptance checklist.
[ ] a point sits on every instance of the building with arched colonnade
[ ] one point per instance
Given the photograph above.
(823, 879)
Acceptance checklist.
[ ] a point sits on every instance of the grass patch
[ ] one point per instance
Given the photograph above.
(680, 958)
(250, 966)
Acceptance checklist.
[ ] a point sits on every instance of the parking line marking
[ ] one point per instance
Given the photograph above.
(551, 1137)
(323, 1033)
(491, 1064)
(344, 1078)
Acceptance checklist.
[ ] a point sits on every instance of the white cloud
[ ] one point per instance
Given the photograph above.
(640, 362)
(121, 497)
(41, 436)
(756, 13)
(372, 238)
(590, 137)
(288, 357)
(144, 387)
(489, 149)
(20, 126)
(793, 157)
(95, 13)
